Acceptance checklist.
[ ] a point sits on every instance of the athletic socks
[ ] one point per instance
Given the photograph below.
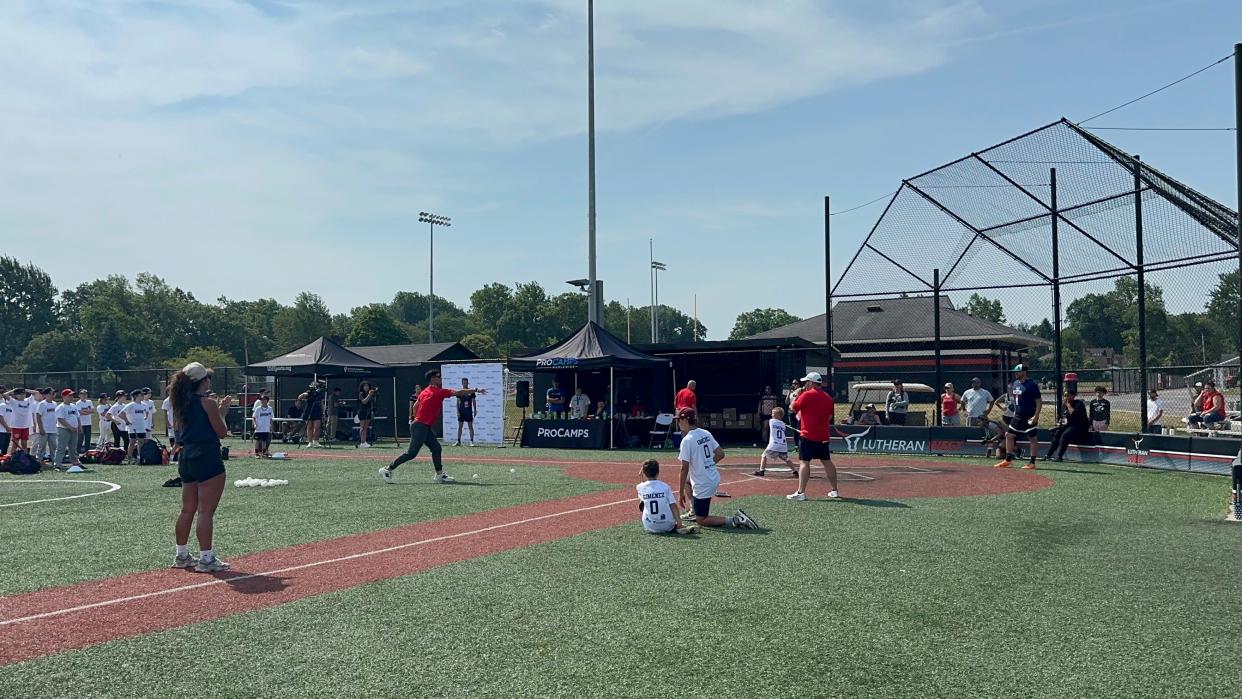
(207, 556)
(183, 550)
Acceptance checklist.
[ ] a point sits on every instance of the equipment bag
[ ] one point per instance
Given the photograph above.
(113, 456)
(150, 453)
(23, 464)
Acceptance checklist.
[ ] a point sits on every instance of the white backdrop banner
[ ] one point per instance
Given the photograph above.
(489, 410)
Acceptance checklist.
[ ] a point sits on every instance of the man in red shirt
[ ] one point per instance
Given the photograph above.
(815, 410)
(687, 398)
(426, 413)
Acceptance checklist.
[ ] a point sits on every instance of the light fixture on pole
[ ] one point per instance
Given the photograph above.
(434, 220)
(656, 268)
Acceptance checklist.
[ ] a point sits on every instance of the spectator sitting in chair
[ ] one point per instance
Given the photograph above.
(1075, 427)
(637, 409)
(579, 405)
(869, 416)
(556, 399)
(1210, 407)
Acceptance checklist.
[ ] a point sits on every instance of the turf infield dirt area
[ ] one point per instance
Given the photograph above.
(59, 619)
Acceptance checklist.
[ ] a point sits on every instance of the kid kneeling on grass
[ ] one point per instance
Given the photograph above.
(656, 501)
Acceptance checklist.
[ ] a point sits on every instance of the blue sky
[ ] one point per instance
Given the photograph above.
(233, 147)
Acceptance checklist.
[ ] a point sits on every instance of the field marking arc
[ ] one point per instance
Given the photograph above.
(113, 489)
(330, 561)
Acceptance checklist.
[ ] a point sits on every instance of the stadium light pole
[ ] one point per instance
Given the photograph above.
(1237, 134)
(432, 220)
(656, 268)
(593, 302)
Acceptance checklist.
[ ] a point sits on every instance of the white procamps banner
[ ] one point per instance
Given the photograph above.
(489, 410)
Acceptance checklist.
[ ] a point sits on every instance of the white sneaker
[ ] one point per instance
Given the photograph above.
(364, 445)
(744, 521)
(386, 475)
(797, 495)
(186, 561)
(457, 444)
(834, 495)
(444, 478)
(472, 444)
(215, 565)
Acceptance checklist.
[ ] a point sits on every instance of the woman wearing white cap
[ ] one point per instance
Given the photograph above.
(199, 429)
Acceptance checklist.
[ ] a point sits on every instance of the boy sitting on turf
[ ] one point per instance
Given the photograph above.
(655, 500)
(778, 447)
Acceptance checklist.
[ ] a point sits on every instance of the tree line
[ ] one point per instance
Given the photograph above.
(116, 323)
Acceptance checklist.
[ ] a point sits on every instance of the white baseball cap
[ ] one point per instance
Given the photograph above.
(195, 371)
(813, 377)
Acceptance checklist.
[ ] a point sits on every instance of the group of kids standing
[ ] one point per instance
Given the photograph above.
(56, 426)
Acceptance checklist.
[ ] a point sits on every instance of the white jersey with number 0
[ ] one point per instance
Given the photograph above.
(263, 418)
(776, 440)
(657, 501)
(698, 448)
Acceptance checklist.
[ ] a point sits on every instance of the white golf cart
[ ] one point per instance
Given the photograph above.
(863, 393)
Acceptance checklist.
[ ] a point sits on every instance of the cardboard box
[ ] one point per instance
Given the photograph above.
(730, 413)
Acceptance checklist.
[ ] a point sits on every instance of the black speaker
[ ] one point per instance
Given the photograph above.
(523, 394)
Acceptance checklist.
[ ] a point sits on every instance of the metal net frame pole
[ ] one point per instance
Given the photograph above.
(1142, 290)
(936, 342)
(1056, 293)
(832, 385)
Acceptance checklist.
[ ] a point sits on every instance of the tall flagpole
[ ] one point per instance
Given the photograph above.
(593, 300)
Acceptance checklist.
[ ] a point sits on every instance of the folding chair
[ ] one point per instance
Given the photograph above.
(665, 421)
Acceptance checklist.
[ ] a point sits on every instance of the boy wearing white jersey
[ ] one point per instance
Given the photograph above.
(136, 416)
(86, 413)
(262, 416)
(105, 423)
(699, 476)
(660, 513)
(45, 426)
(6, 414)
(778, 446)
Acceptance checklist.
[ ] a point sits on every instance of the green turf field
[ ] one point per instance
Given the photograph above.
(1112, 583)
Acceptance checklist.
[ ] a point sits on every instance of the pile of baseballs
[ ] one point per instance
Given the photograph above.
(259, 482)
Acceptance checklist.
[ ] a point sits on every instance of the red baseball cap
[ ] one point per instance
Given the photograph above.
(67, 392)
(686, 413)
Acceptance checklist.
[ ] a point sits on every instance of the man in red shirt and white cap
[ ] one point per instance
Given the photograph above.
(426, 414)
(815, 410)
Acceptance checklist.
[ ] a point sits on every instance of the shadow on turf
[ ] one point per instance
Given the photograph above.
(435, 486)
(255, 584)
(1063, 469)
(869, 502)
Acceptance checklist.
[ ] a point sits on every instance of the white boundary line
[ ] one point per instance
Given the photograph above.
(113, 489)
(341, 559)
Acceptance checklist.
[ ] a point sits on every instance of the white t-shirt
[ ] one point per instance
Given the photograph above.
(48, 411)
(1153, 407)
(138, 415)
(698, 448)
(169, 422)
(263, 415)
(5, 412)
(67, 412)
(776, 440)
(579, 406)
(115, 411)
(23, 413)
(657, 501)
(85, 410)
(102, 410)
(150, 415)
(977, 401)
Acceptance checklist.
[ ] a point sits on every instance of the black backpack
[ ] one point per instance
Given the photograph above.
(150, 454)
(23, 464)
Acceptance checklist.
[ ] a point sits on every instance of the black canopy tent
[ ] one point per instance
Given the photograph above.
(322, 359)
(592, 347)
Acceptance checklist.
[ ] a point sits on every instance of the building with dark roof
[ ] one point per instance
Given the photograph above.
(878, 340)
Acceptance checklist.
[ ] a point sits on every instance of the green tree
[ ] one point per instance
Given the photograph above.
(27, 306)
(411, 307)
(257, 324)
(760, 320)
(55, 350)
(482, 345)
(987, 309)
(488, 304)
(109, 350)
(307, 320)
(374, 325)
(213, 357)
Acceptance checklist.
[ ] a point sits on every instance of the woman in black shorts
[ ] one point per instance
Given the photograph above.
(366, 411)
(199, 429)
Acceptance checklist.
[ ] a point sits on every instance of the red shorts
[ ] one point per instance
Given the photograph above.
(20, 433)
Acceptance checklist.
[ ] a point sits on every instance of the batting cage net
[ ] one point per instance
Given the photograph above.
(1058, 250)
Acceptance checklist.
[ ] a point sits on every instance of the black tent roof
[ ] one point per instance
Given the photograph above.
(322, 357)
(592, 347)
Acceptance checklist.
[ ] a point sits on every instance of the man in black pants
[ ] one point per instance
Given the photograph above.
(1076, 429)
(426, 414)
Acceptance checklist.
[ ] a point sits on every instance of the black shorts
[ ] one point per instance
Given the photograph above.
(1020, 424)
(137, 435)
(263, 436)
(465, 417)
(702, 506)
(200, 462)
(366, 414)
(315, 413)
(896, 418)
(809, 450)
